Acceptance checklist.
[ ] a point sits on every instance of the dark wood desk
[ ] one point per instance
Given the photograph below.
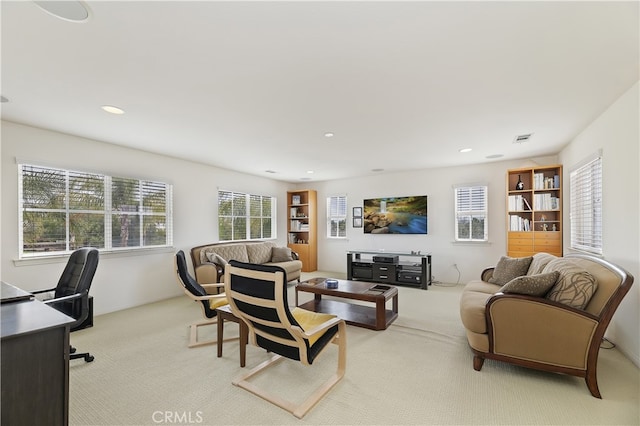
(35, 361)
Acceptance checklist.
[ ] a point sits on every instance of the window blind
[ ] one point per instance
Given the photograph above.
(244, 216)
(471, 213)
(337, 216)
(586, 207)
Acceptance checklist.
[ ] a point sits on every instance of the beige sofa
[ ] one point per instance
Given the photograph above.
(209, 259)
(553, 317)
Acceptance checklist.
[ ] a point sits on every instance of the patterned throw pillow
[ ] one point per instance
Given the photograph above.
(532, 285)
(215, 258)
(509, 268)
(574, 287)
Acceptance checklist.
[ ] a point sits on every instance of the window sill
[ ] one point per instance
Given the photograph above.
(471, 243)
(62, 258)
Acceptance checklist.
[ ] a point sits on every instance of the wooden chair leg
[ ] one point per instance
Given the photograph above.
(193, 334)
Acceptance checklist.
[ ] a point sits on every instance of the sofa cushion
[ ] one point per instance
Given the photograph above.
(574, 286)
(227, 252)
(532, 285)
(509, 268)
(290, 267)
(259, 252)
(281, 254)
(540, 260)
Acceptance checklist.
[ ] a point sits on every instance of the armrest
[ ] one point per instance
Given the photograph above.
(213, 288)
(486, 274)
(209, 273)
(319, 328)
(538, 329)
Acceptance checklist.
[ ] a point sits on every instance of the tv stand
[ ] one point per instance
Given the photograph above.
(397, 268)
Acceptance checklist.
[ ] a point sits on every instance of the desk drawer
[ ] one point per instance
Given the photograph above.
(383, 272)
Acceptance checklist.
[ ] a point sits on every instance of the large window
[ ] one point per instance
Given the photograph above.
(62, 210)
(471, 213)
(586, 206)
(337, 216)
(245, 216)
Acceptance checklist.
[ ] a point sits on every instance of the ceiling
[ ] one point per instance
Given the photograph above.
(254, 86)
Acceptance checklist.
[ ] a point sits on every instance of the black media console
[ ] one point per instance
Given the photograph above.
(398, 268)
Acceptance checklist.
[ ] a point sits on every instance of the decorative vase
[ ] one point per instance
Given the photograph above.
(520, 184)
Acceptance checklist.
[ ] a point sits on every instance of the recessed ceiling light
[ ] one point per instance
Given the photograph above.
(310, 171)
(492, 156)
(112, 109)
(73, 11)
(329, 135)
(465, 150)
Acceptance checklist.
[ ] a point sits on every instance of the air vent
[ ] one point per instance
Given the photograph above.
(522, 138)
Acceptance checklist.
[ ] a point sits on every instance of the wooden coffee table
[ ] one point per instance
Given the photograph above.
(375, 318)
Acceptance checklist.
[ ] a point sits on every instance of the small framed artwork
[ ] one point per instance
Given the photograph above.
(295, 199)
(357, 212)
(357, 222)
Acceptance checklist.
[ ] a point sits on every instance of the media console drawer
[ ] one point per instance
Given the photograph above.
(384, 272)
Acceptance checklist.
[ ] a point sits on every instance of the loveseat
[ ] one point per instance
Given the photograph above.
(209, 260)
(544, 312)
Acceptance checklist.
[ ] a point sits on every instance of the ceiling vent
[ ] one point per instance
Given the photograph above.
(522, 138)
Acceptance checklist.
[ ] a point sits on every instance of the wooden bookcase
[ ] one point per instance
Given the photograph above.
(534, 212)
(302, 227)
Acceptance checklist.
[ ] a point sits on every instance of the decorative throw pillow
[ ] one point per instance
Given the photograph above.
(281, 254)
(509, 268)
(574, 287)
(216, 258)
(532, 285)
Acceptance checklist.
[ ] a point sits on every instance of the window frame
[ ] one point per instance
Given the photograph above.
(106, 210)
(341, 203)
(472, 212)
(247, 216)
(586, 206)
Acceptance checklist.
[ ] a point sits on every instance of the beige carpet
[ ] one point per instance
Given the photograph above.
(419, 371)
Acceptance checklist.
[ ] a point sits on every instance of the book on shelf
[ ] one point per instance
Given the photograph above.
(294, 212)
(518, 203)
(517, 223)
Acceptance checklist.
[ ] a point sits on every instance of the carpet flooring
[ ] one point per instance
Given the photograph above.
(418, 371)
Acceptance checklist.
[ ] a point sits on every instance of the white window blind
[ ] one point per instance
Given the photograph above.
(337, 216)
(586, 207)
(244, 216)
(471, 213)
(62, 210)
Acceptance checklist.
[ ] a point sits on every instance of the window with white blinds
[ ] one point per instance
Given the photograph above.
(337, 216)
(471, 213)
(245, 216)
(62, 210)
(586, 207)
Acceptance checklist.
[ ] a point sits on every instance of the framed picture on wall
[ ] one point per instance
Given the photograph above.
(357, 212)
(357, 222)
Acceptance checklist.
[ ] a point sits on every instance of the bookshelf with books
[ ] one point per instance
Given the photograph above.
(534, 210)
(302, 227)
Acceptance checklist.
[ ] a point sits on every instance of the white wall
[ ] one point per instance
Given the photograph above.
(123, 280)
(616, 133)
(437, 184)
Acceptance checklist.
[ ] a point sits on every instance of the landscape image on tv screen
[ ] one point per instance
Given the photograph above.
(396, 215)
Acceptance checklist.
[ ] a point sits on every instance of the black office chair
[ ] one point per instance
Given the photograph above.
(257, 294)
(71, 295)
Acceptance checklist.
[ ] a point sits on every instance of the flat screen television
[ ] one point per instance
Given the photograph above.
(395, 215)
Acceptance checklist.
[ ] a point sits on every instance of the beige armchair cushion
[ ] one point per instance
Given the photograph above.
(259, 252)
